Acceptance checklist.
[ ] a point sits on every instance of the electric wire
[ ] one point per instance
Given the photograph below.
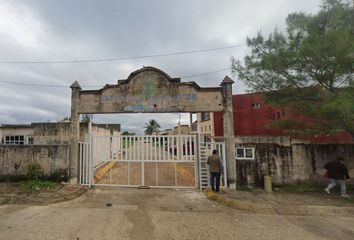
(206, 73)
(123, 58)
(88, 86)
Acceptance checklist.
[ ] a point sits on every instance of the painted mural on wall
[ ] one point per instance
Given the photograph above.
(151, 90)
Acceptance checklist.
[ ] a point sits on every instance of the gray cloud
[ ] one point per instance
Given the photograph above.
(72, 30)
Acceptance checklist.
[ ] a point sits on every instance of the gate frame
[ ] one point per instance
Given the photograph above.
(93, 104)
(183, 143)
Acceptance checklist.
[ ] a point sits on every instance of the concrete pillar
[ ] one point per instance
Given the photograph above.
(229, 131)
(74, 133)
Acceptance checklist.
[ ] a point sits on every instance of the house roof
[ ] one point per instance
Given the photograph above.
(15, 126)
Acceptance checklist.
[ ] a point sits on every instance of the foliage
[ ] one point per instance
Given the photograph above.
(35, 185)
(308, 69)
(126, 133)
(151, 127)
(7, 201)
(34, 171)
(244, 188)
(300, 188)
(128, 143)
(86, 118)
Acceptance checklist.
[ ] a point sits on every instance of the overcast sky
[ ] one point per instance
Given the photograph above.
(65, 30)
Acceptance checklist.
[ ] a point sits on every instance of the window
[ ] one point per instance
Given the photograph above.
(207, 138)
(245, 153)
(278, 115)
(283, 112)
(30, 140)
(205, 116)
(14, 139)
(255, 105)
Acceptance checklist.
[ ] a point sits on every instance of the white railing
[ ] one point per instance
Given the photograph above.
(205, 150)
(85, 170)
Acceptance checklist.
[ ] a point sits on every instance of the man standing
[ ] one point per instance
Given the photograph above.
(337, 173)
(214, 168)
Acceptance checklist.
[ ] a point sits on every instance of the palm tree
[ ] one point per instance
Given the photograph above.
(151, 127)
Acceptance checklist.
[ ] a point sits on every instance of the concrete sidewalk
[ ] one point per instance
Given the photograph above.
(284, 203)
(160, 214)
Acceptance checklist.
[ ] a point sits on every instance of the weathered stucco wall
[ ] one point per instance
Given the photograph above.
(14, 160)
(59, 133)
(151, 90)
(51, 133)
(56, 133)
(325, 153)
(50, 150)
(289, 162)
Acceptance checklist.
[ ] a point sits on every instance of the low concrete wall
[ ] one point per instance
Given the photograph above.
(14, 160)
(289, 162)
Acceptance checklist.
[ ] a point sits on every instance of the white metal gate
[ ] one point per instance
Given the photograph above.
(85, 163)
(206, 149)
(155, 161)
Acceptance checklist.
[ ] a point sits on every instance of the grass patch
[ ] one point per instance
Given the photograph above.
(308, 187)
(299, 188)
(7, 201)
(35, 185)
(351, 199)
(244, 188)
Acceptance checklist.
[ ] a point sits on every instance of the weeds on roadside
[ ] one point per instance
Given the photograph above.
(245, 188)
(35, 180)
(308, 187)
(35, 171)
(7, 201)
(299, 188)
(35, 185)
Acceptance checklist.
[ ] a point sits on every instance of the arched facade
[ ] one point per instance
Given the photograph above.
(150, 90)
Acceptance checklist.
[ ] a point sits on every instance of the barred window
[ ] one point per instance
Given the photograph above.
(256, 105)
(14, 139)
(245, 153)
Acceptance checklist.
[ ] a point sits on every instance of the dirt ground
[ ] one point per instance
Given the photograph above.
(10, 193)
(282, 198)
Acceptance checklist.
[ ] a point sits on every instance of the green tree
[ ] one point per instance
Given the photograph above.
(308, 69)
(151, 127)
(126, 133)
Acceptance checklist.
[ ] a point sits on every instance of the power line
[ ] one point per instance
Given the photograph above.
(65, 86)
(32, 84)
(206, 73)
(123, 58)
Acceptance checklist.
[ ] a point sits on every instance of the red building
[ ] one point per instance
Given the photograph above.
(252, 117)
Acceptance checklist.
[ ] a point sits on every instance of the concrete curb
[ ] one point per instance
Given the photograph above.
(72, 201)
(285, 209)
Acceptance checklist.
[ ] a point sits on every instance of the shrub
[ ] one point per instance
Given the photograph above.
(35, 171)
(35, 185)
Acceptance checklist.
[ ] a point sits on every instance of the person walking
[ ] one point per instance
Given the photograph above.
(337, 172)
(214, 169)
